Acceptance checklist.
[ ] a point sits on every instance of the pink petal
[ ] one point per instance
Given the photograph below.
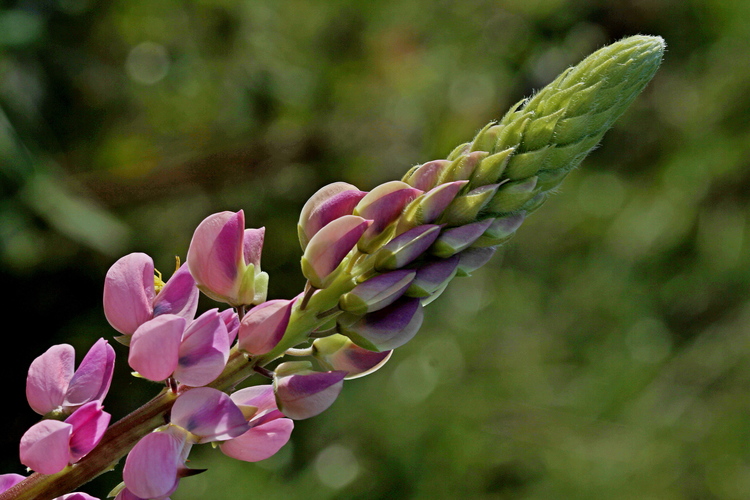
(328, 203)
(152, 465)
(261, 397)
(48, 378)
(45, 446)
(89, 424)
(8, 481)
(204, 350)
(264, 326)
(232, 322)
(129, 292)
(179, 295)
(155, 345)
(259, 442)
(337, 352)
(253, 246)
(209, 414)
(215, 252)
(76, 496)
(306, 394)
(91, 380)
(328, 247)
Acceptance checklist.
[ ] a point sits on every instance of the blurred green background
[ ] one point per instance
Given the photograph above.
(604, 354)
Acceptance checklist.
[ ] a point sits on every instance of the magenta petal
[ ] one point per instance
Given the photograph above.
(253, 246)
(384, 204)
(215, 252)
(260, 442)
(388, 328)
(264, 326)
(179, 295)
(328, 247)
(152, 465)
(427, 175)
(89, 423)
(155, 345)
(437, 200)
(129, 292)
(232, 322)
(48, 378)
(304, 395)
(92, 378)
(209, 414)
(204, 350)
(7, 481)
(76, 495)
(327, 204)
(45, 446)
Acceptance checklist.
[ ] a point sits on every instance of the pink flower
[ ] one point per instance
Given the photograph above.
(269, 430)
(264, 326)
(50, 445)
(155, 464)
(224, 259)
(52, 384)
(131, 296)
(194, 354)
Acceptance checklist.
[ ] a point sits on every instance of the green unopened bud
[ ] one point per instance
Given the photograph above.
(491, 168)
(464, 209)
(463, 167)
(511, 196)
(486, 138)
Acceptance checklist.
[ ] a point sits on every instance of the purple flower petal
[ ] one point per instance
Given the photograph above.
(387, 328)
(93, 377)
(432, 275)
(472, 259)
(152, 466)
(383, 205)
(337, 352)
(260, 442)
(427, 175)
(232, 322)
(45, 446)
(215, 253)
(179, 295)
(209, 414)
(7, 481)
(377, 292)
(302, 393)
(89, 424)
(129, 292)
(155, 345)
(48, 378)
(328, 247)
(453, 240)
(264, 326)
(204, 350)
(327, 204)
(406, 247)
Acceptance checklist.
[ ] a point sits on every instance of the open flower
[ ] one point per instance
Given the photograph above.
(50, 445)
(53, 385)
(133, 294)
(224, 259)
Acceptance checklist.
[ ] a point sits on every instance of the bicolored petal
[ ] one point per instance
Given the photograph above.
(129, 292)
(377, 292)
(472, 259)
(204, 350)
(385, 329)
(260, 442)
(209, 414)
(215, 257)
(327, 204)
(93, 377)
(178, 296)
(428, 207)
(328, 247)
(432, 275)
(89, 424)
(337, 352)
(453, 240)
(45, 447)
(152, 466)
(264, 325)
(501, 230)
(427, 175)
(155, 346)
(406, 247)
(48, 378)
(302, 393)
(383, 205)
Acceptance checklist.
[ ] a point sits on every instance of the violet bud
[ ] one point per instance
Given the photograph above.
(406, 247)
(328, 247)
(473, 258)
(383, 205)
(453, 240)
(432, 275)
(429, 206)
(337, 352)
(303, 393)
(264, 326)
(328, 203)
(377, 292)
(386, 329)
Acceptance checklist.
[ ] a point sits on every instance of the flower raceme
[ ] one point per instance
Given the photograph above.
(373, 261)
